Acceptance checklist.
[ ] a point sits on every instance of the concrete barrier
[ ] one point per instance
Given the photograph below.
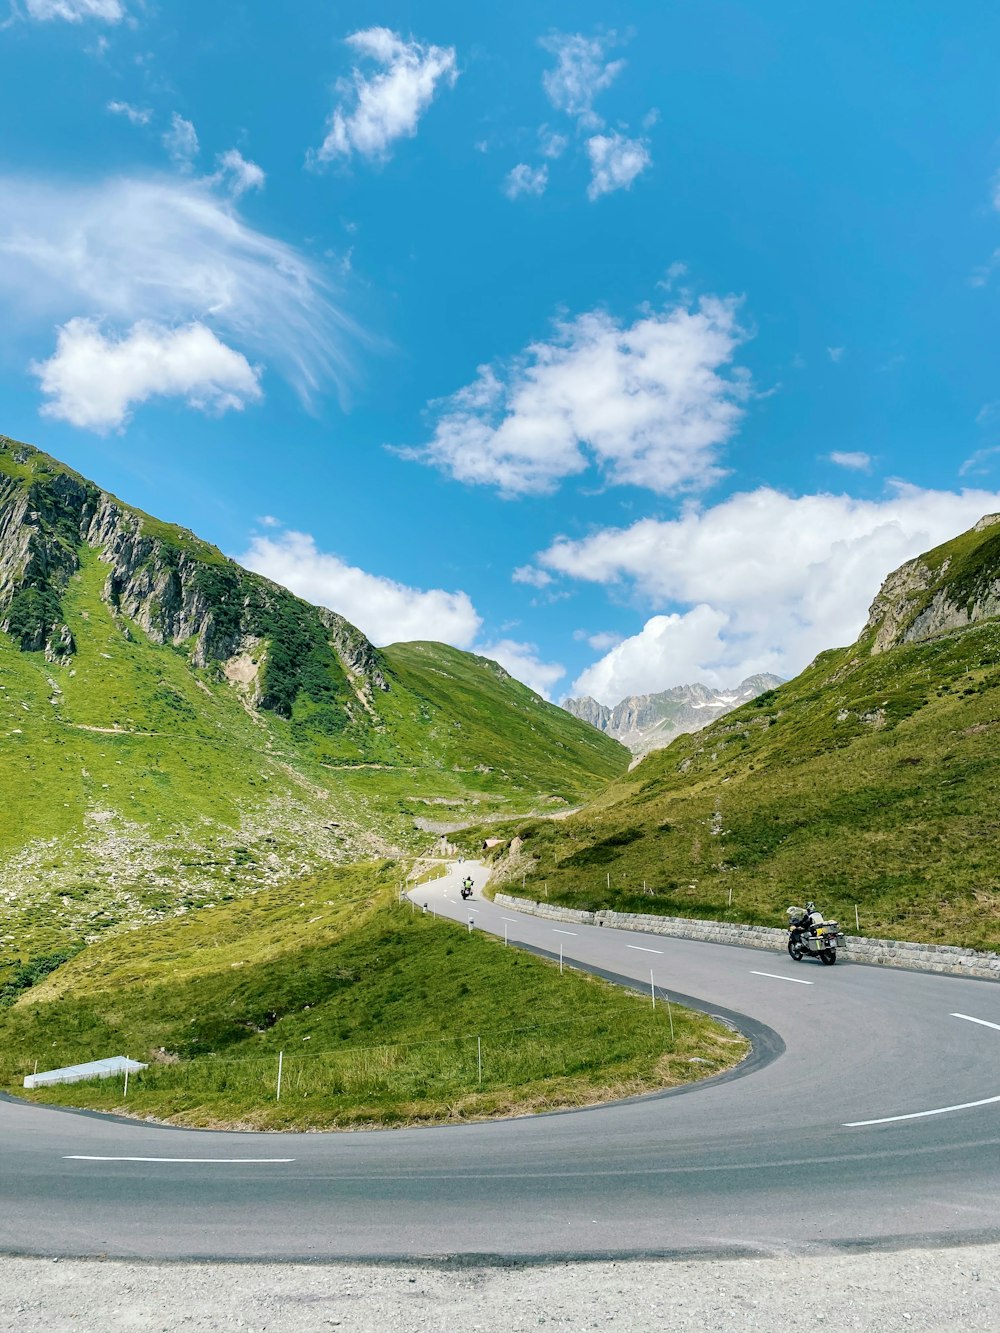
(857, 948)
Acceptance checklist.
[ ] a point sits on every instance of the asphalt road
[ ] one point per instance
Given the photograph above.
(779, 1159)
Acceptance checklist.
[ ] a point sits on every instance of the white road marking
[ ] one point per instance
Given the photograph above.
(212, 1161)
(981, 1021)
(798, 980)
(642, 948)
(511, 919)
(919, 1115)
(565, 932)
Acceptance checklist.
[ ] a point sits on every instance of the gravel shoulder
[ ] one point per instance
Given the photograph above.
(940, 1289)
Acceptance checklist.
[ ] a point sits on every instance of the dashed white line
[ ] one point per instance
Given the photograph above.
(199, 1161)
(777, 977)
(564, 932)
(642, 948)
(919, 1115)
(981, 1021)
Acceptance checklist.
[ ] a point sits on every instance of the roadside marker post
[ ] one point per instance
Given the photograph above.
(857, 922)
(560, 959)
(479, 1056)
(281, 1058)
(652, 988)
(125, 1093)
(505, 934)
(730, 895)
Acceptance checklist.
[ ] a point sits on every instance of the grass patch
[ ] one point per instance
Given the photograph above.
(382, 1014)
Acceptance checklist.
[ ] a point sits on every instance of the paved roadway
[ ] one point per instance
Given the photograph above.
(773, 1160)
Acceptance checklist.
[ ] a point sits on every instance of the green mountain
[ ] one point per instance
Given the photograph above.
(175, 729)
(871, 781)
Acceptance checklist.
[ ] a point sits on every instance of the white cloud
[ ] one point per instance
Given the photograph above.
(137, 115)
(92, 380)
(173, 252)
(600, 642)
(523, 179)
(760, 582)
(75, 11)
(978, 464)
(269, 521)
(524, 664)
(856, 459)
(533, 577)
(582, 71)
(836, 354)
(615, 161)
(181, 142)
(387, 611)
(241, 174)
(550, 143)
(387, 105)
(650, 403)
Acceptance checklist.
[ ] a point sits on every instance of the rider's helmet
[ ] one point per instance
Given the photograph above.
(810, 907)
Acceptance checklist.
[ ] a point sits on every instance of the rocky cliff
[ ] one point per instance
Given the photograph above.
(948, 589)
(176, 588)
(647, 722)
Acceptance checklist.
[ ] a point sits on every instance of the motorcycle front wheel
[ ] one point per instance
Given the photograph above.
(829, 956)
(795, 950)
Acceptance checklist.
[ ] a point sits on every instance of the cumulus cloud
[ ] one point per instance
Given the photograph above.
(550, 143)
(137, 115)
(600, 642)
(379, 108)
(93, 380)
(615, 161)
(523, 179)
(181, 142)
(650, 403)
(582, 71)
(241, 174)
(75, 11)
(524, 664)
(855, 459)
(760, 582)
(387, 611)
(173, 252)
(532, 576)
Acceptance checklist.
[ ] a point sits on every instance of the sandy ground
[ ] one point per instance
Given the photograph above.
(909, 1289)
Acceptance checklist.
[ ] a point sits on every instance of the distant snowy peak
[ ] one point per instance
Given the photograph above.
(647, 722)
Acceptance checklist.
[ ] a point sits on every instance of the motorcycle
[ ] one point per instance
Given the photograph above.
(809, 934)
(466, 890)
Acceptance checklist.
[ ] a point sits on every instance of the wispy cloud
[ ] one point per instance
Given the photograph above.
(75, 11)
(650, 403)
(181, 142)
(978, 464)
(615, 161)
(241, 174)
(523, 179)
(377, 109)
(835, 354)
(137, 115)
(582, 71)
(174, 252)
(855, 459)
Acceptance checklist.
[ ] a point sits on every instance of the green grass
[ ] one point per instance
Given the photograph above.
(381, 1014)
(868, 781)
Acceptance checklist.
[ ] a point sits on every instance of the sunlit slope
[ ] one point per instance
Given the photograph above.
(871, 780)
(174, 728)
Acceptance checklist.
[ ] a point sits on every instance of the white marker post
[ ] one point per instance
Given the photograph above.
(505, 934)
(479, 1055)
(856, 920)
(730, 895)
(281, 1058)
(670, 1015)
(125, 1093)
(652, 988)
(560, 959)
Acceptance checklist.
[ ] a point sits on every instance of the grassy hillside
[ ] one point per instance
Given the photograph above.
(377, 1010)
(176, 730)
(871, 780)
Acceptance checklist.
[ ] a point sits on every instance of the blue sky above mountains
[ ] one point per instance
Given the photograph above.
(630, 348)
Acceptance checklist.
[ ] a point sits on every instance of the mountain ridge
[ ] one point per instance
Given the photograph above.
(645, 722)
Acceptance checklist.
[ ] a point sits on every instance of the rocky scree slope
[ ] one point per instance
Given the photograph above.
(647, 722)
(176, 729)
(870, 781)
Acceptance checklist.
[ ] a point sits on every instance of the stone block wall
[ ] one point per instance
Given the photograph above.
(856, 948)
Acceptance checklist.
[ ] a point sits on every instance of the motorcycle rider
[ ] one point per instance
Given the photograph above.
(806, 923)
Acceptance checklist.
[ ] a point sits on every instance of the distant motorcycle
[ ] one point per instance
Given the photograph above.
(466, 889)
(809, 934)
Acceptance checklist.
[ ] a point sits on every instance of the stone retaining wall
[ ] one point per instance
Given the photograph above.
(857, 948)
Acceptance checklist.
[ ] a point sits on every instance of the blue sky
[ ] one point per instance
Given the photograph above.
(630, 347)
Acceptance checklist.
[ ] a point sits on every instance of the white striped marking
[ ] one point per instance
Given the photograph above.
(511, 919)
(798, 980)
(919, 1115)
(981, 1021)
(642, 948)
(565, 932)
(212, 1161)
